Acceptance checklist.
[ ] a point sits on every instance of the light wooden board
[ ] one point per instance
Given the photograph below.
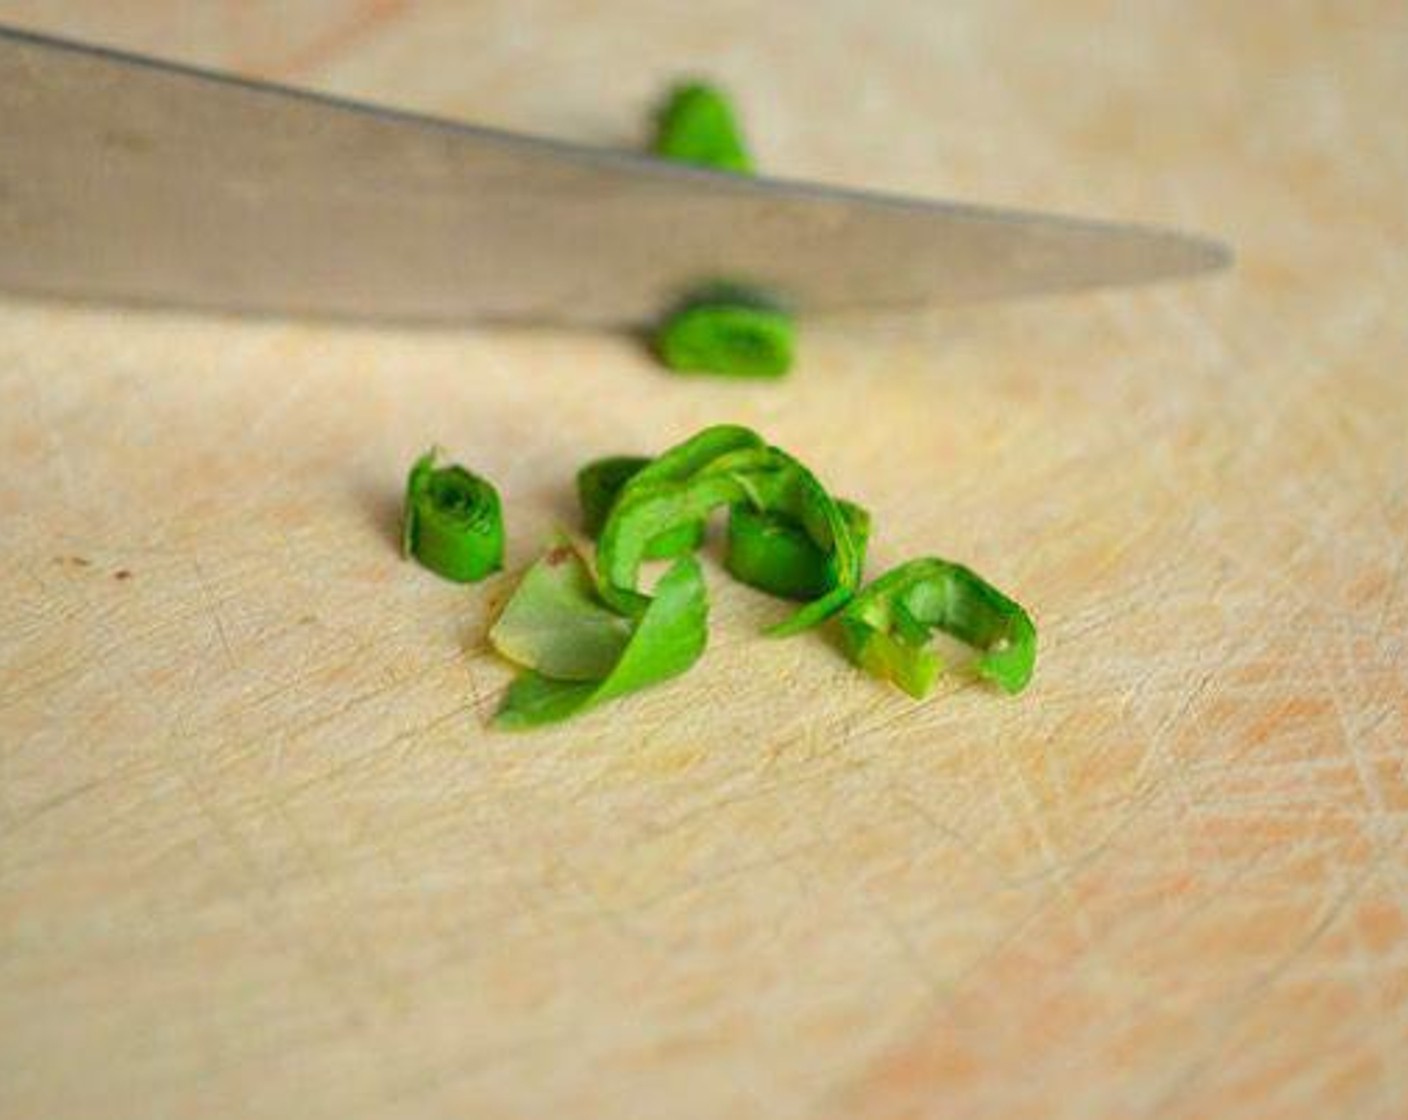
(260, 856)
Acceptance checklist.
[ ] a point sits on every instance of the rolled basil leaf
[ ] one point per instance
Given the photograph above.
(730, 339)
(452, 521)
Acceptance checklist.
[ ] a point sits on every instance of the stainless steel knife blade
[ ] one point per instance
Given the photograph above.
(125, 178)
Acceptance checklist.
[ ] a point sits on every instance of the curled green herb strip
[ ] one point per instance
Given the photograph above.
(697, 124)
(452, 521)
(773, 553)
(599, 482)
(887, 626)
(578, 652)
(724, 466)
(733, 339)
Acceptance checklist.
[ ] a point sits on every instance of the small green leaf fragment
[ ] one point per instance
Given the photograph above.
(533, 700)
(452, 521)
(886, 626)
(667, 639)
(774, 553)
(697, 124)
(556, 624)
(598, 484)
(416, 481)
(724, 466)
(732, 339)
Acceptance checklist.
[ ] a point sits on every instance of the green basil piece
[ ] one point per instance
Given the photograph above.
(599, 482)
(724, 466)
(665, 641)
(697, 124)
(556, 624)
(886, 627)
(452, 521)
(773, 553)
(732, 339)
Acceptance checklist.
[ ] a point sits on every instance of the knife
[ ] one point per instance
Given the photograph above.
(129, 179)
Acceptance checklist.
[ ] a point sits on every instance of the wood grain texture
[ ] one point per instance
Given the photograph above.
(260, 856)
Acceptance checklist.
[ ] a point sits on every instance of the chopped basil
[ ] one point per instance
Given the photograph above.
(697, 124)
(733, 339)
(724, 466)
(558, 629)
(773, 553)
(598, 484)
(452, 521)
(584, 630)
(887, 626)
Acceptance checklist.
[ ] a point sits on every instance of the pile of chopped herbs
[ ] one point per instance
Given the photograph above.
(584, 629)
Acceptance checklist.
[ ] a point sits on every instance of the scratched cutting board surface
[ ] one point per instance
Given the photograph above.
(260, 855)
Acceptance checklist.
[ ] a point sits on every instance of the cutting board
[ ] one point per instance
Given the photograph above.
(261, 854)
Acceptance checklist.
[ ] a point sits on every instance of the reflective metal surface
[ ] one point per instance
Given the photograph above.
(123, 178)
